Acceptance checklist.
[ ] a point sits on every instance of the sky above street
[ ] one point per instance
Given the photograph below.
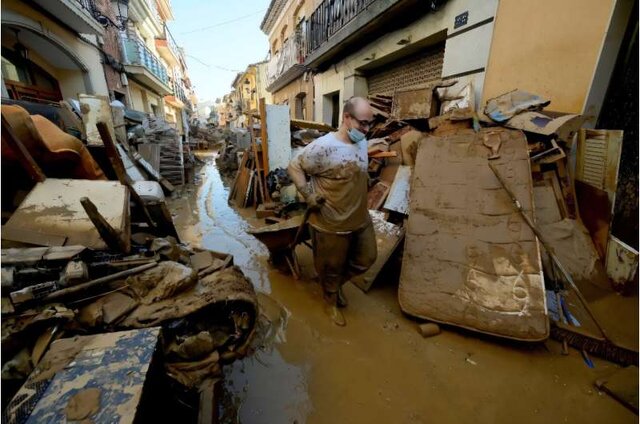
(220, 37)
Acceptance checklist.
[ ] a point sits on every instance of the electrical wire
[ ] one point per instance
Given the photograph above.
(212, 66)
(224, 23)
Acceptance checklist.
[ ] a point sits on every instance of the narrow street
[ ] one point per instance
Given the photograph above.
(378, 368)
(320, 211)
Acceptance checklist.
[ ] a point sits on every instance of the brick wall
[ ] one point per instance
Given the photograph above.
(111, 46)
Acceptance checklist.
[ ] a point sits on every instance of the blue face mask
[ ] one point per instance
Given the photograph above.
(355, 135)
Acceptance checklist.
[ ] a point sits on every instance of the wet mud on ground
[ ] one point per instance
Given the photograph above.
(377, 369)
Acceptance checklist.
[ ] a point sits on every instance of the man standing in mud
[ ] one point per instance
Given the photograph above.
(344, 243)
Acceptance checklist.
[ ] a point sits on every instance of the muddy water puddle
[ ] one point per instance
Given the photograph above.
(377, 369)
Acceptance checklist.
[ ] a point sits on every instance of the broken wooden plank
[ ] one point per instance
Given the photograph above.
(111, 150)
(381, 155)
(33, 255)
(320, 126)
(153, 173)
(377, 195)
(112, 237)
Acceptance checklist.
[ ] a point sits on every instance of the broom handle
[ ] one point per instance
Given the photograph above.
(547, 247)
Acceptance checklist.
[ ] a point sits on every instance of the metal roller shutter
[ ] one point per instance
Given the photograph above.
(418, 69)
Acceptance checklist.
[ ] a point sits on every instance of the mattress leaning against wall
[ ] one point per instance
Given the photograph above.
(470, 260)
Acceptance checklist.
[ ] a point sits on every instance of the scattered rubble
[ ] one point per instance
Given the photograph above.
(109, 264)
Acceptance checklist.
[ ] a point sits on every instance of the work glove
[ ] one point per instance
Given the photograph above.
(314, 201)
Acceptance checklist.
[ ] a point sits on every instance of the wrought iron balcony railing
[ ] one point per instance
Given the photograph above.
(87, 5)
(171, 42)
(292, 53)
(329, 17)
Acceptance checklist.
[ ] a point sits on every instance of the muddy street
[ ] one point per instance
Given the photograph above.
(378, 368)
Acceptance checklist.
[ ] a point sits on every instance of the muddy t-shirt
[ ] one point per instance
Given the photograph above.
(338, 172)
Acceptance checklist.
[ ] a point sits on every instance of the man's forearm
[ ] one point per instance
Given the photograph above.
(298, 177)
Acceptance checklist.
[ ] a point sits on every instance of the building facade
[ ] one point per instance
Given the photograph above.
(325, 51)
(288, 80)
(56, 49)
(51, 50)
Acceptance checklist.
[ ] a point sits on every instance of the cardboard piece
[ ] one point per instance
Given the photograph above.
(95, 109)
(409, 144)
(470, 260)
(388, 238)
(508, 105)
(398, 198)
(414, 103)
(539, 123)
(53, 208)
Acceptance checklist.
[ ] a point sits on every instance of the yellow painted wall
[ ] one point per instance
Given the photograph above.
(289, 92)
(547, 47)
(303, 8)
(88, 54)
(71, 83)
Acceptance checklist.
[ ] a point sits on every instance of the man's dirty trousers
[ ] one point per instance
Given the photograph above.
(340, 256)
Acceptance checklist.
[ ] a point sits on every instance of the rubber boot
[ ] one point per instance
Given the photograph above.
(331, 309)
(342, 299)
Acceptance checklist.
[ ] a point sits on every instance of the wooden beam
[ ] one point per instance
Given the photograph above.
(259, 170)
(118, 167)
(265, 145)
(320, 126)
(208, 404)
(112, 153)
(112, 237)
(24, 157)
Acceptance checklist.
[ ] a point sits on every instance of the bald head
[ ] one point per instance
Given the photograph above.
(357, 114)
(358, 107)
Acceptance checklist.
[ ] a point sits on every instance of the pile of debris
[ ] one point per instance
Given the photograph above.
(464, 191)
(82, 255)
(272, 139)
(453, 191)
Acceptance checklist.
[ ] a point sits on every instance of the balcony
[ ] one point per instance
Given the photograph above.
(168, 48)
(76, 14)
(179, 98)
(142, 65)
(145, 12)
(339, 27)
(288, 64)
